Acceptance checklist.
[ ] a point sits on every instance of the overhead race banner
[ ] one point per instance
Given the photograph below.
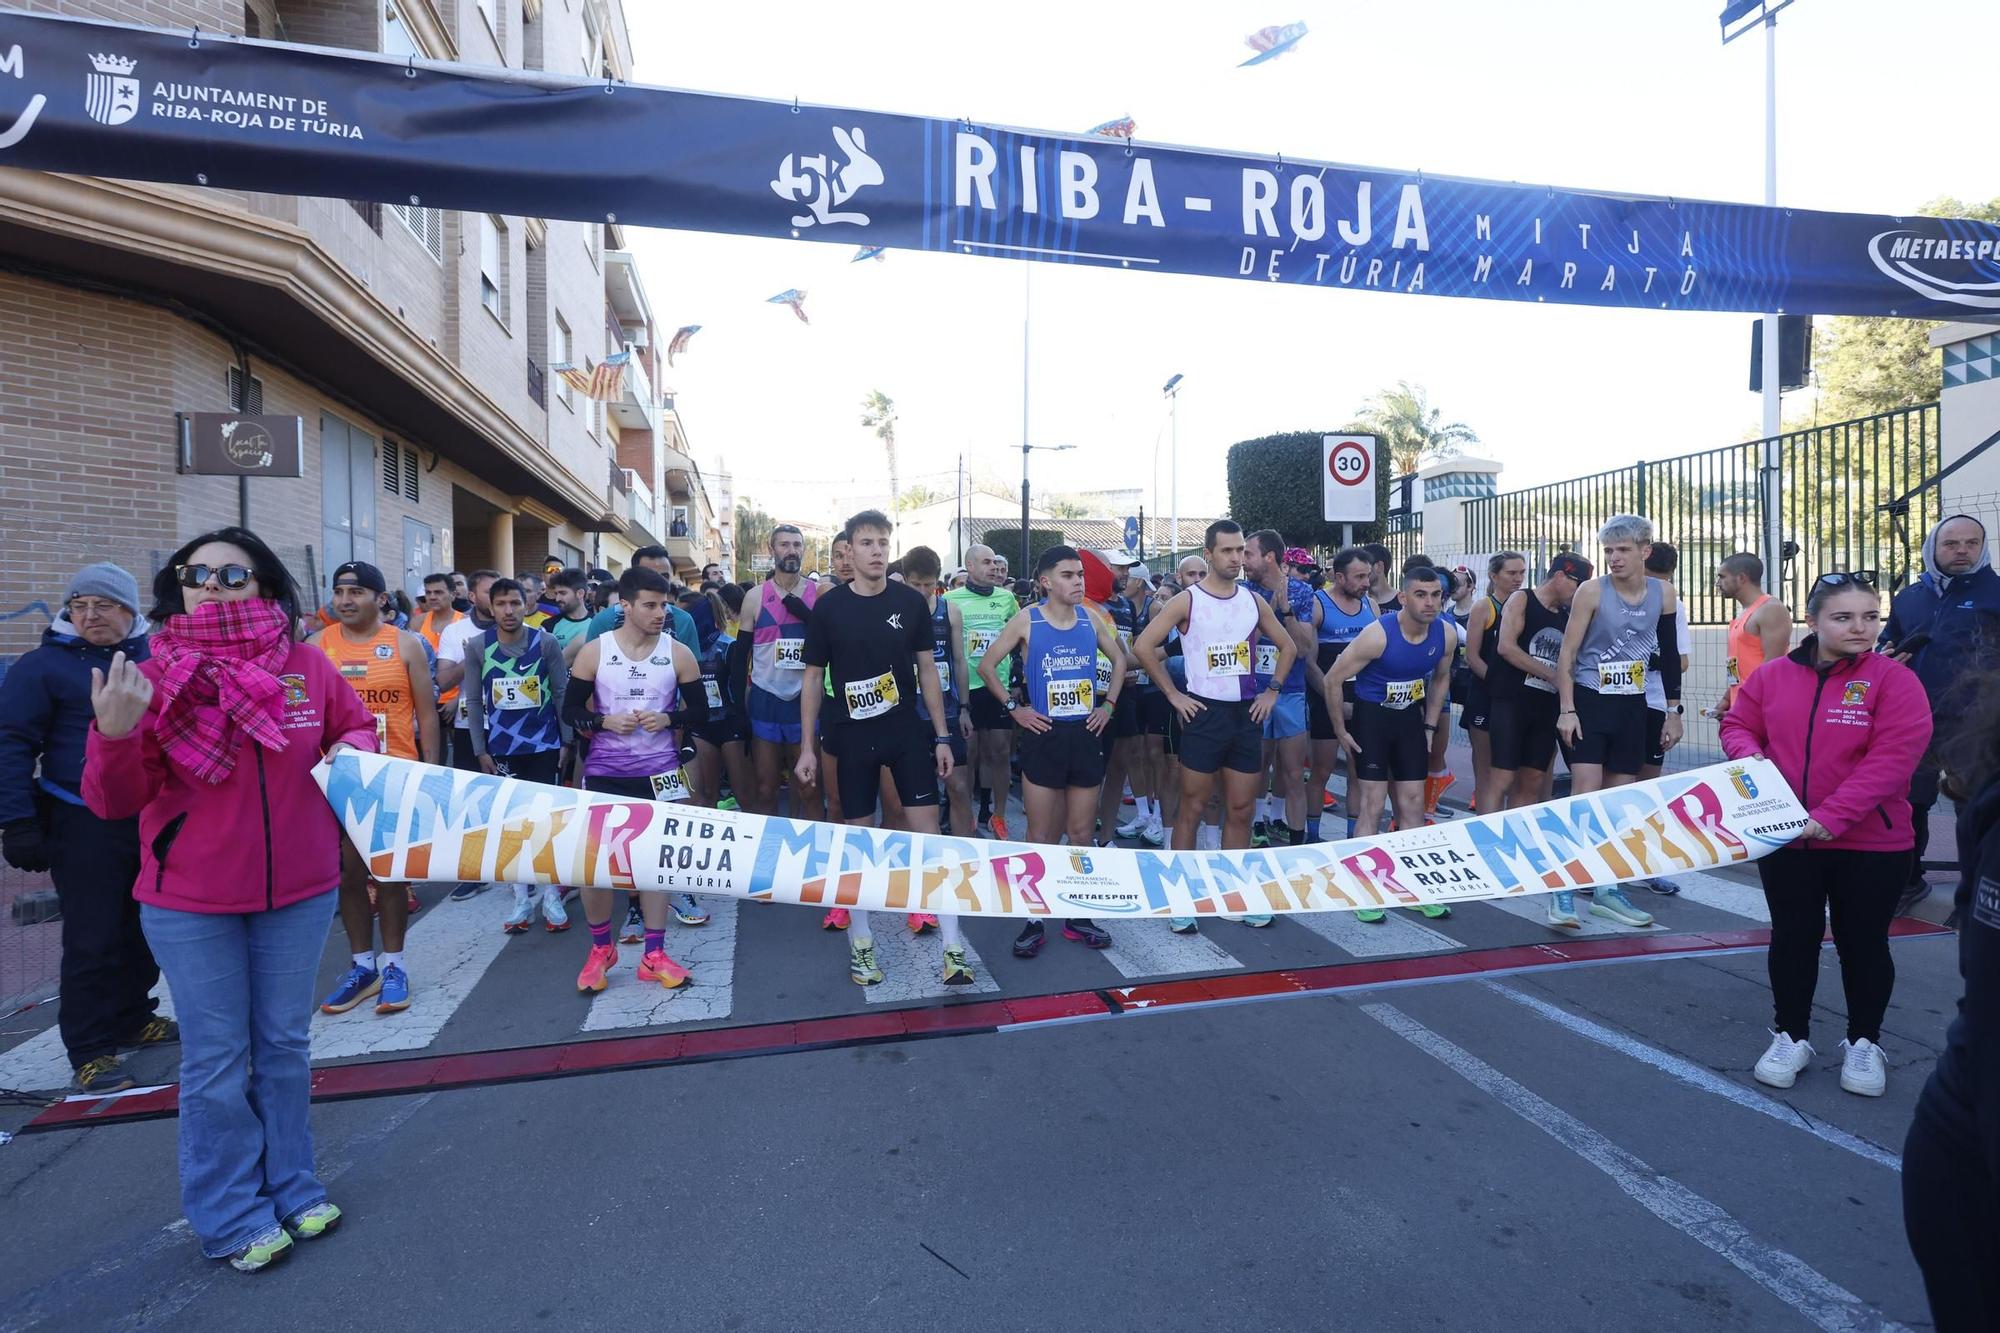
(198, 109)
(415, 821)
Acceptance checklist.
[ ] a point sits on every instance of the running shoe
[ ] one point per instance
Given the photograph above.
(635, 923)
(1611, 902)
(1783, 1061)
(1435, 788)
(603, 957)
(1182, 925)
(919, 922)
(1863, 1071)
(102, 1075)
(656, 966)
(395, 989)
(465, 891)
(686, 910)
(155, 1031)
(1435, 911)
(1154, 834)
(1029, 942)
(998, 824)
(1562, 910)
(957, 972)
(1327, 800)
(312, 1223)
(1260, 833)
(836, 918)
(1087, 933)
(1664, 887)
(555, 917)
(523, 915)
(728, 802)
(265, 1249)
(861, 968)
(355, 985)
(1260, 919)
(1133, 827)
(1373, 916)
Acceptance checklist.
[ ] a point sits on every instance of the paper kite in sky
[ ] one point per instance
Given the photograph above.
(794, 298)
(679, 342)
(1122, 128)
(875, 252)
(1271, 42)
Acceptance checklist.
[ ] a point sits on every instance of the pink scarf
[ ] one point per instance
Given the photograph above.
(219, 681)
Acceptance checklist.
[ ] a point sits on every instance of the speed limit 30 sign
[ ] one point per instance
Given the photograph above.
(1347, 478)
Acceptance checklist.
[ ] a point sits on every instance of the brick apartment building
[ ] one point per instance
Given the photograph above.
(415, 345)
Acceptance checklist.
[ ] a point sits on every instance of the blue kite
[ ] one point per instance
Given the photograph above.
(1270, 43)
(794, 298)
(874, 252)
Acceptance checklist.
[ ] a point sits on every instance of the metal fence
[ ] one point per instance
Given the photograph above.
(1851, 496)
(1403, 534)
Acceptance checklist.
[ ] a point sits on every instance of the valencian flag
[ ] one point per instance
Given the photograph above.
(603, 382)
(1270, 43)
(1122, 128)
(794, 298)
(679, 342)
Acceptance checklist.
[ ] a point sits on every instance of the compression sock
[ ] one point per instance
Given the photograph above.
(1312, 830)
(600, 933)
(656, 940)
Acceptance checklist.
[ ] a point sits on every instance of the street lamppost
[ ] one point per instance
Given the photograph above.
(1172, 392)
(1027, 449)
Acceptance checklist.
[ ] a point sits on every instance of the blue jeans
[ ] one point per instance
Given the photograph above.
(243, 991)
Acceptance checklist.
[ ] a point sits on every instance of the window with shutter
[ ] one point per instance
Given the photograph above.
(392, 467)
(426, 224)
(409, 474)
(249, 402)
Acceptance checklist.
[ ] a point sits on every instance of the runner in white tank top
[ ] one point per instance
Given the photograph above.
(1221, 712)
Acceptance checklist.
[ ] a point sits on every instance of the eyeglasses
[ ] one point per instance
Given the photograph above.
(233, 577)
(1840, 578)
(83, 607)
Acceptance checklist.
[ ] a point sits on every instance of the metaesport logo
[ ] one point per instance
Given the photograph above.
(1954, 270)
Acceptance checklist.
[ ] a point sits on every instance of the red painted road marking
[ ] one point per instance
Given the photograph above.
(380, 1078)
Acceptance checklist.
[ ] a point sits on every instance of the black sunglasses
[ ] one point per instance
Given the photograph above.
(1840, 578)
(233, 577)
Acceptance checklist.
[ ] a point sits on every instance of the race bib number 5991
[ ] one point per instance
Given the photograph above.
(1071, 698)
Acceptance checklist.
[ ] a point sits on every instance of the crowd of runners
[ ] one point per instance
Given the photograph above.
(151, 766)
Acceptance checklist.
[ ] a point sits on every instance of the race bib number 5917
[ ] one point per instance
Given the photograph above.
(1229, 659)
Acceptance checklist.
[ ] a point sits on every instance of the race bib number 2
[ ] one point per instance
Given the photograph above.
(871, 698)
(1267, 659)
(1403, 693)
(1229, 659)
(1621, 677)
(1072, 698)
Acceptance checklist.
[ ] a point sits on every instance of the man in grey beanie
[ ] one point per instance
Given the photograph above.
(108, 973)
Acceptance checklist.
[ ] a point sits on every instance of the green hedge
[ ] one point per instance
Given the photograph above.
(1274, 483)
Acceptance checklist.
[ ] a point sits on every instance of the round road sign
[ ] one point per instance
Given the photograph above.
(1349, 463)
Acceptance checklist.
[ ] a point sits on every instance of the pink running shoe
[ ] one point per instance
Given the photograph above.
(603, 957)
(835, 919)
(656, 966)
(920, 922)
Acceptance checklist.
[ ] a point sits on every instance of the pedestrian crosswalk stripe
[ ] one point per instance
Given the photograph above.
(913, 965)
(1726, 895)
(709, 954)
(1395, 934)
(448, 949)
(1150, 949)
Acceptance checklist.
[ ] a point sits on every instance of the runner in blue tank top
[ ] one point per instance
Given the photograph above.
(1062, 724)
(1401, 667)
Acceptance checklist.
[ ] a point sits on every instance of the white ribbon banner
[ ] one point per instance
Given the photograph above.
(415, 821)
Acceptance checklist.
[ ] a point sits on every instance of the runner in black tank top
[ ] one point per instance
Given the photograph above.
(1505, 573)
(1520, 685)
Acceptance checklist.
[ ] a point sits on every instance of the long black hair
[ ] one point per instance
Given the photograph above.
(274, 581)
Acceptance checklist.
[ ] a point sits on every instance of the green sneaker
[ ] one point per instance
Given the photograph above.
(1562, 910)
(957, 971)
(1260, 834)
(1613, 903)
(1435, 911)
(1371, 915)
(861, 963)
(728, 803)
(314, 1222)
(262, 1252)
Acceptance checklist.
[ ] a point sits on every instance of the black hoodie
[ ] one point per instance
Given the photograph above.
(1964, 1092)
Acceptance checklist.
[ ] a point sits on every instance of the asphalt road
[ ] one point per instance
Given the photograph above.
(1552, 1149)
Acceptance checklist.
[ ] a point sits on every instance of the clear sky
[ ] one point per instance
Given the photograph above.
(1881, 107)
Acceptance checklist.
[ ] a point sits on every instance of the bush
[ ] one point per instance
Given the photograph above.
(1274, 483)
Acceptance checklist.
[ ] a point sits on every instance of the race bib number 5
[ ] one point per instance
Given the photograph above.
(790, 654)
(1072, 698)
(871, 698)
(669, 786)
(1229, 659)
(1403, 693)
(1621, 677)
(511, 693)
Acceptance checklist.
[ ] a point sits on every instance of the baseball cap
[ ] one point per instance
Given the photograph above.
(1115, 559)
(1300, 558)
(362, 573)
(1573, 565)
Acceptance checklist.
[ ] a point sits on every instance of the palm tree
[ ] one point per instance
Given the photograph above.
(1404, 418)
(878, 413)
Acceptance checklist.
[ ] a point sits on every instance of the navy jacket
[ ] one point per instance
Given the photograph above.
(45, 714)
(1962, 616)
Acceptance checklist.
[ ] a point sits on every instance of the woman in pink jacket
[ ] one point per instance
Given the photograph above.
(212, 745)
(1846, 726)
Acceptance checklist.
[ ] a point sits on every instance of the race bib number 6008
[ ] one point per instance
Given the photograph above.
(871, 698)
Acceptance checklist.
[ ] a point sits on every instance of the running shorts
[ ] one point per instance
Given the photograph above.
(531, 766)
(1066, 755)
(1154, 710)
(1521, 731)
(906, 751)
(1287, 717)
(1614, 731)
(774, 719)
(988, 713)
(1394, 745)
(1223, 735)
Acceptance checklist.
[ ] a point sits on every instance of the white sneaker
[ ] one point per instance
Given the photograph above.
(1562, 910)
(1782, 1064)
(1864, 1072)
(1611, 902)
(554, 915)
(1154, 834)
(1132, 827)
